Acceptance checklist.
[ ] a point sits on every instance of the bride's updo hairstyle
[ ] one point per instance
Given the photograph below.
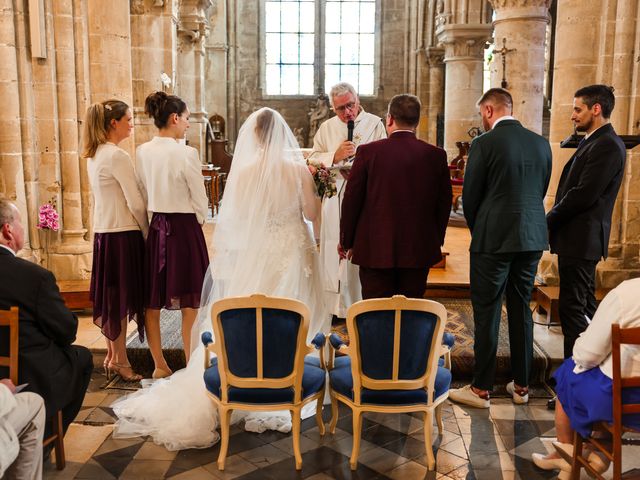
(264, 125)
(161, 106)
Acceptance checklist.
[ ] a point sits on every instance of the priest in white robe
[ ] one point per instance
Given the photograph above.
(332, 148)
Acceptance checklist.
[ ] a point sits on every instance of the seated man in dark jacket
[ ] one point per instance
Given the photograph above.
(53, 367)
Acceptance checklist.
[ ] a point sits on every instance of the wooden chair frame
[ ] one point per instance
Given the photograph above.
(397, 303)
(227, 379)
(619, 336)
(10, 318)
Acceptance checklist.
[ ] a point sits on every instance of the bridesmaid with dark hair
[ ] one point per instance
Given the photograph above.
(119, 224)
(176, 258)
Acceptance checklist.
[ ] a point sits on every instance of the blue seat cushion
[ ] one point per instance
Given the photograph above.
(312, 382)
(337, 362)
(341, 381)
(448, 339)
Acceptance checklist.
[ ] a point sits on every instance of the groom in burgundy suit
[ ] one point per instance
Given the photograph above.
(396, 207)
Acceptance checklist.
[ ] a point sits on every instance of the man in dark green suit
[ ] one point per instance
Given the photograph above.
(505, 182)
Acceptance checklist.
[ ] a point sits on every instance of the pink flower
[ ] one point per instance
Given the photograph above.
(48, 217)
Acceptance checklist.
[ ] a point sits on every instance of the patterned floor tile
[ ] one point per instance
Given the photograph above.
(409, 470)
(381, 460)
(234, 466)
(94, 471)
(145, 469)
(264, 455)
(151, 451)
(199, 473)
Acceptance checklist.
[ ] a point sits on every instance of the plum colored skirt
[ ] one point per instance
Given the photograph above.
(587, 397)
(117, 281)
(176, 261)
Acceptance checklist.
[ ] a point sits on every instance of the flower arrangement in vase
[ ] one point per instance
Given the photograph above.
(48, 219)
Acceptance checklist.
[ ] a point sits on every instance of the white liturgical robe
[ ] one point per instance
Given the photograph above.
(340, 279)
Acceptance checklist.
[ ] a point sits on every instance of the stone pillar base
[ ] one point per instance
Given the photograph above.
(71, 266)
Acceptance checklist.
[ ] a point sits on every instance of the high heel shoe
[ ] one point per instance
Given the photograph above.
(120, 369)
(160, 373)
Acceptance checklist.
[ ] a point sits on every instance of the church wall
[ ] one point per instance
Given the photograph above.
(245, 69)
(598, 42)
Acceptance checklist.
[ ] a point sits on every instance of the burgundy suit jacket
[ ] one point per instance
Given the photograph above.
(396, 204)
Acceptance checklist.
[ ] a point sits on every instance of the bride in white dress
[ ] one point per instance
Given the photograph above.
(262, 244)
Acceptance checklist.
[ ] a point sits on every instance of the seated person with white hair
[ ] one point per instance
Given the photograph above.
(21, 430)
(47, 361)
(584, 381)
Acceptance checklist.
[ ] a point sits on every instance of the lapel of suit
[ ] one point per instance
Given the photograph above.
(584, 143)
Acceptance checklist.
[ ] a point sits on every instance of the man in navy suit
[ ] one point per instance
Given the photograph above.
(580, 221)
(54, 368)
(396, 207)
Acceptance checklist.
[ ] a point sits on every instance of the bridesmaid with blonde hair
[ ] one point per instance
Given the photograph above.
(120, 224)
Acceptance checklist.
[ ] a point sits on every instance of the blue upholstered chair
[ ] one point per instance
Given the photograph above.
(392, 364)
(260, 347)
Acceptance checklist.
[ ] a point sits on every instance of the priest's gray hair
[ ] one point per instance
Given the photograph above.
(7, 212)
(340, 89)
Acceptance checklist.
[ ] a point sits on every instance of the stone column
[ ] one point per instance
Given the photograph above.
(464, 56)
(153, 52)
(217, 47)
(575, 65)
(73, 231)
(435, 57)
(12, 182)
(523, 25)
(110, 54)
(193, 28)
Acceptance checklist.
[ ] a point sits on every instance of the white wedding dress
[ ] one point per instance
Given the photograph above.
(262, 244)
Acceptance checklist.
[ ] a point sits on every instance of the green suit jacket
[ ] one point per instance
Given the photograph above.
(505, 182)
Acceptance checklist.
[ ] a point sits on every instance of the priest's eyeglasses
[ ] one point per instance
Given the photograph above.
(343, 108)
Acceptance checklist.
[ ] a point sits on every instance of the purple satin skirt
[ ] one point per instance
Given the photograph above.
(176, 261)
(117, 282)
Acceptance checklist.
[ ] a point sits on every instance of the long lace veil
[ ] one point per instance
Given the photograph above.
(263, 195)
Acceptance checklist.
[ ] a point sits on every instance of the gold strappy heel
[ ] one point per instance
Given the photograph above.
(118, 369)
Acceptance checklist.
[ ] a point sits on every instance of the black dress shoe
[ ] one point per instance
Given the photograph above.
(551, 404)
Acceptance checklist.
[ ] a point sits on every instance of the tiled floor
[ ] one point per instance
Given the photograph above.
(476, 444)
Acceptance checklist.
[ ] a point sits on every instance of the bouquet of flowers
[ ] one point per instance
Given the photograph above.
(48, 217)
(324, 179)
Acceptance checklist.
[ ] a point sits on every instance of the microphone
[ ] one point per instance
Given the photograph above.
(350, 130)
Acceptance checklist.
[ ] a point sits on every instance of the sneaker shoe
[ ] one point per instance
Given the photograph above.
(467, 396)
(520, 396)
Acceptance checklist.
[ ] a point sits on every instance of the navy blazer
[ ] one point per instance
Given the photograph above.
(580, 221)
(396, 204)
(47, 328)
(505, 182)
